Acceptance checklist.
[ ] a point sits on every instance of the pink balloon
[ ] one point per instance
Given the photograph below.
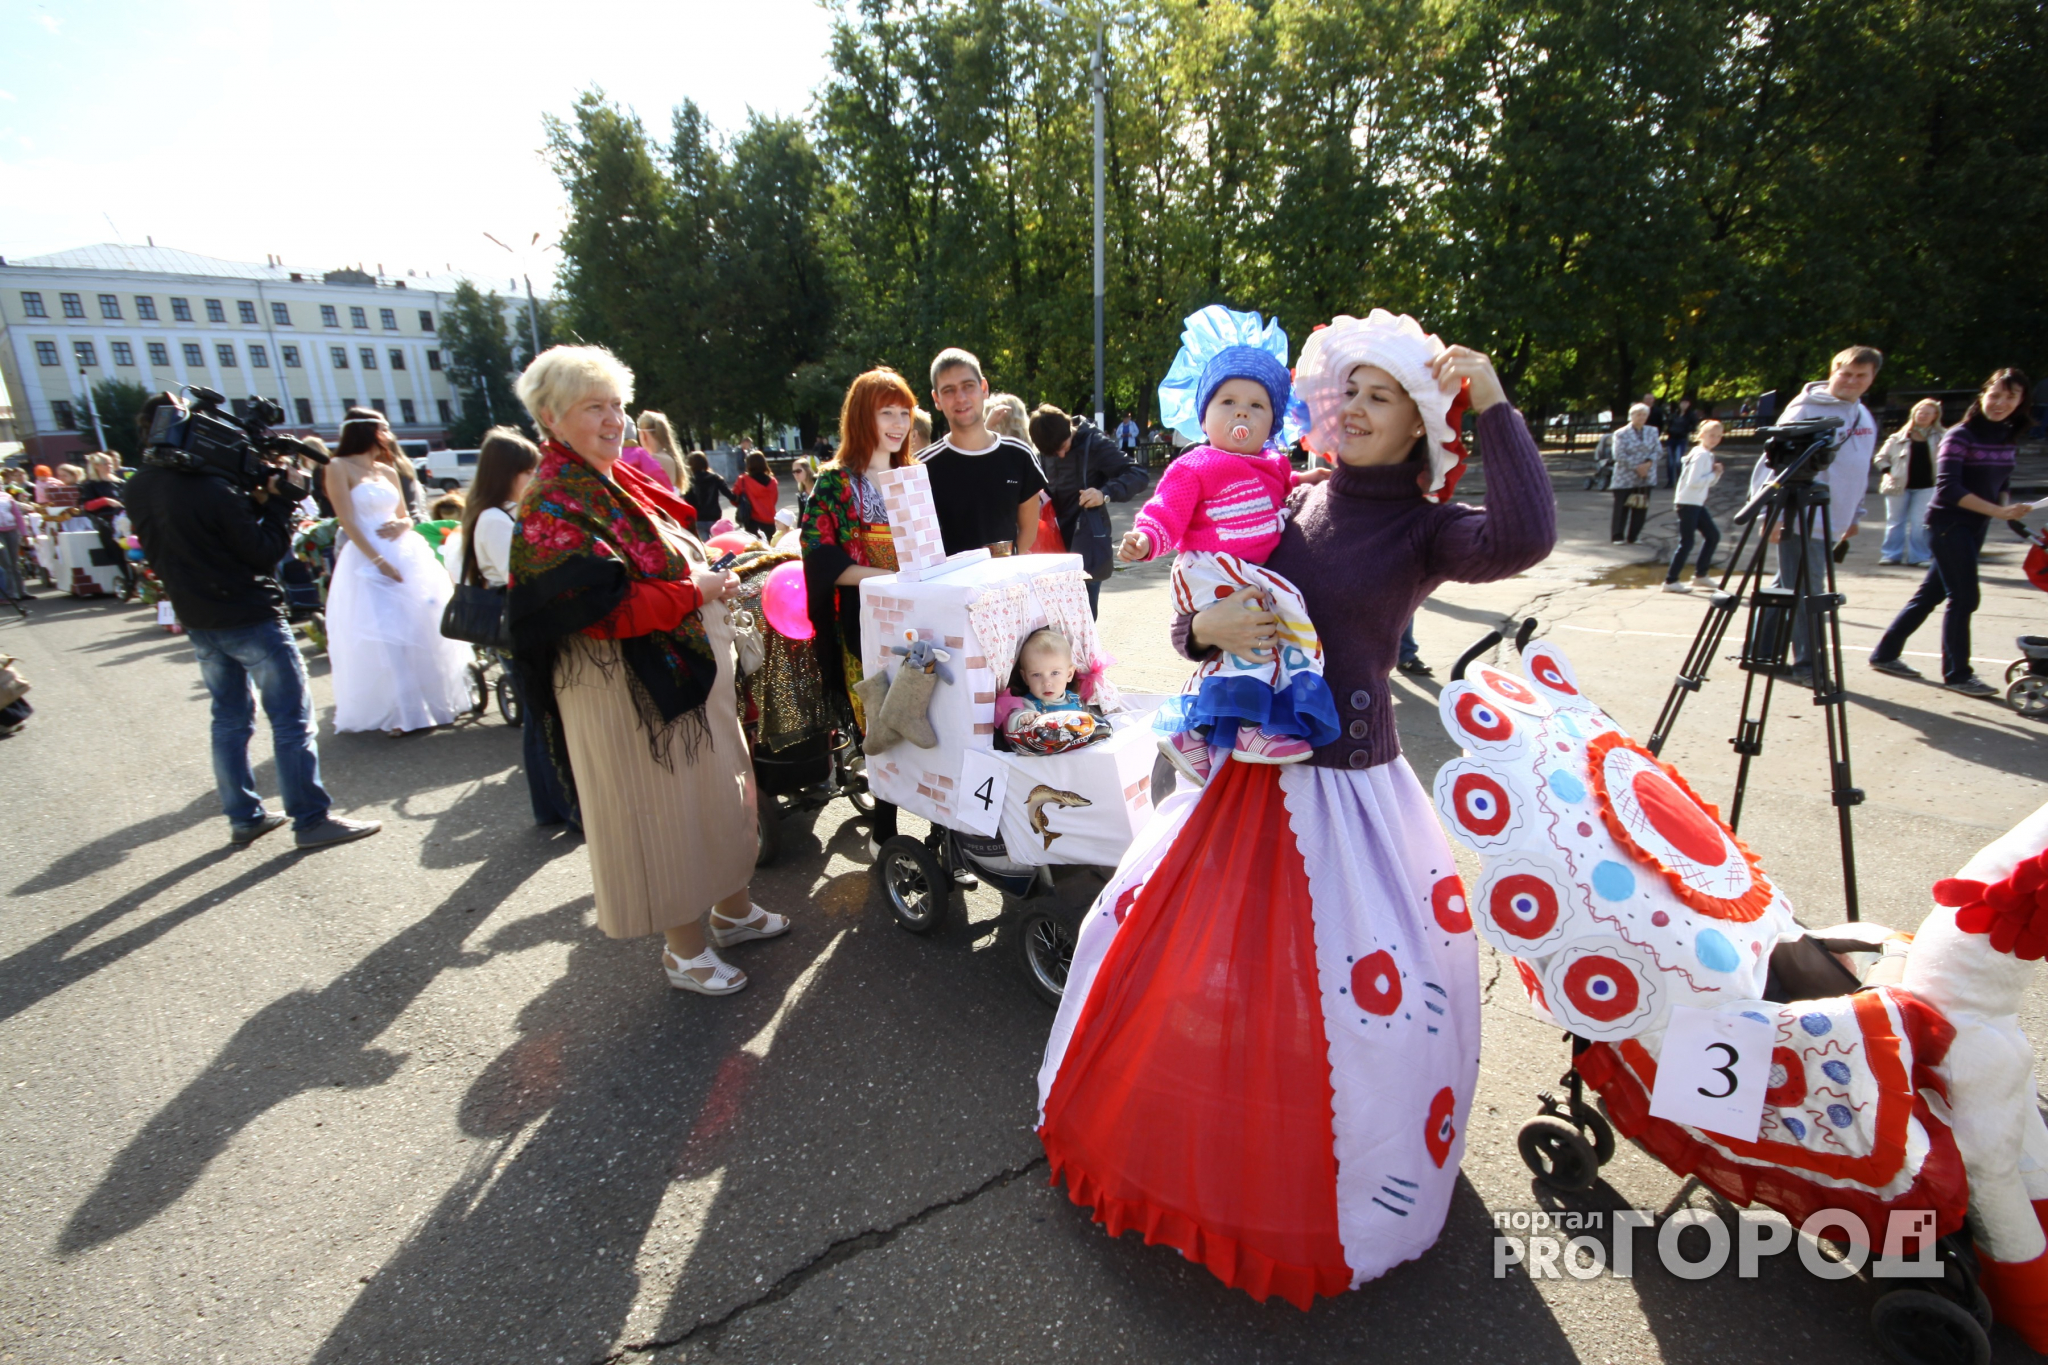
(782, 601)
(722, 525)
(732, 542)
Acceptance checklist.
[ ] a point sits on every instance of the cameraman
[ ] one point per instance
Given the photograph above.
(1850, 376)
(216, 547)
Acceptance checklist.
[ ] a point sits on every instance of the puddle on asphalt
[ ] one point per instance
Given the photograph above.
(1649, 575)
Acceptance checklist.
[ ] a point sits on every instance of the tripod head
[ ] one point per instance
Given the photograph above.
(1796, 453)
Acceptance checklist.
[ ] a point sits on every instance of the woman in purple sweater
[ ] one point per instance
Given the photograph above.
(1971, 474)
(1270, 1033)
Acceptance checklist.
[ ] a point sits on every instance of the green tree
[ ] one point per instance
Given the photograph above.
(472, 330)
(779, 294)
(118, 403)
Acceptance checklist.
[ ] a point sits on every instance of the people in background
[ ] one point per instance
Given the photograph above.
(920, 431)
(1699, 472)
(1637, 448)
(755, 494)
(660, 440)
(985, 487)
(1127, 434)
(1906, 480)
(1085, 472)
(703, 491)
(1972, 476)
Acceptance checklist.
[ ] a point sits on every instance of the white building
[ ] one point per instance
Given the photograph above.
(315, 342)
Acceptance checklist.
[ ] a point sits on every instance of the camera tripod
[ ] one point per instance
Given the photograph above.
(1792, 502)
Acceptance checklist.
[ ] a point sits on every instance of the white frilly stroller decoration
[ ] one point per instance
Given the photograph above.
(1620, 894)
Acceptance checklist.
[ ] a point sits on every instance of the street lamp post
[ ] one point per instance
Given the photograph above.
(92, 409)
(533, 309)
(1098, 82)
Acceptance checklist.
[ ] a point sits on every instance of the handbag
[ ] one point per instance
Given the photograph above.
(476, 616)
(1638, 501)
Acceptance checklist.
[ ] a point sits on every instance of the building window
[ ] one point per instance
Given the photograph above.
(124, 354)
(214, 312)
(389, 318)
(397, 358)
(280, 315)
(291, 359)
(72, 307)
(32, 304)
(110, 307)
(369, 355)
(181, 310)
(358, 318)
(82, 352)
(61, 412)
(433, 360)
(246, 311)
(145, 307)
(46, 353)
(426, 319)
(259, 357)
(339, 354)
(379, 405)
(227, 356)
(305, 408)
(194, 357)
(328, 317)
(159, 354)
(406, 414)
(441, 406)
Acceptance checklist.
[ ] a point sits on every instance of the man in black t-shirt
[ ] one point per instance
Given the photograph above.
(984, 487)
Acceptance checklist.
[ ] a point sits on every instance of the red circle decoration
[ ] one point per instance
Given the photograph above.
(1511, 688)
(1125, 901)
(1601, 988)
(1481, 804)
(1792, 1089)
(1448, 903)
(1481, 721)
(1678, 818)
(1439, 1132)
(1543, 668)
(1524, 906)
(1670, 817)
(1376, 983)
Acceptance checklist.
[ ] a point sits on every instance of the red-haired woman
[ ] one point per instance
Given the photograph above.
(845, 532)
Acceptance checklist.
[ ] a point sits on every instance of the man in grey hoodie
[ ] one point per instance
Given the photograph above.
(1841, 395)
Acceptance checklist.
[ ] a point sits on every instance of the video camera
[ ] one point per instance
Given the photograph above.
(204, 439)
(1796, 451)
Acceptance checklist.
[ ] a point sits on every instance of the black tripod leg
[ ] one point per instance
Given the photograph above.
(1706, 642)
(1831, 695)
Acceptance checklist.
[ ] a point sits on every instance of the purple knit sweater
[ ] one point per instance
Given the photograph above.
(1366, 548)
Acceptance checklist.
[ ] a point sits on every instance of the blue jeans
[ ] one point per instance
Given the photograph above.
(1905, 527)
(239, 665)
(551, 803)
(1955, 544)
(1816, 582)
(1095, 597)
(1693, 520)
(1409, 649)
(10, 564)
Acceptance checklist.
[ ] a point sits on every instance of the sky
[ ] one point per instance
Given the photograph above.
(391, 133)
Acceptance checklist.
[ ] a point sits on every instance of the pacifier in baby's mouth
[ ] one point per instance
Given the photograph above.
(1240, 433)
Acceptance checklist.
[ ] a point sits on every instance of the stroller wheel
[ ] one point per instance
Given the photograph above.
(479, 691)
(1556, 1155)
(1915, 1327)
(1047, 943)
(919, 889)
(853, 780)
(508, 702)
(2017, 667)
(1594, 1127)
(2029, 696)
(767, 830)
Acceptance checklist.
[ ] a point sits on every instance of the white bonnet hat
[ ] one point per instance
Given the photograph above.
(1398, 345)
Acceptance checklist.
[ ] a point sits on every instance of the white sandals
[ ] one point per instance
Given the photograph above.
(724, 980)
(724, 933)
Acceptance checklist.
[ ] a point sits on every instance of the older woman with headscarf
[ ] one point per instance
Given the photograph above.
(621, 629)
(1269, 1039)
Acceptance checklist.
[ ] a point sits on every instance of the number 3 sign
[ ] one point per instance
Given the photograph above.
(984, 780)
(1713, 1070)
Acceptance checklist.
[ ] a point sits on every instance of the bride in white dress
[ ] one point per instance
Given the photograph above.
(393, 669)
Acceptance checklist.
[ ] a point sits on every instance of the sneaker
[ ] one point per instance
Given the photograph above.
(1895, 667)
(1972, 687)
(334, 830)
(1256, 745)
(1799, 675)
(1415, 668)
(1891, 561)
(1675, 586)
(241, 836)
(1188, 752)
(1705, 583)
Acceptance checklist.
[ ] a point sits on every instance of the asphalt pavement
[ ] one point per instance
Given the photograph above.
(401, 1102)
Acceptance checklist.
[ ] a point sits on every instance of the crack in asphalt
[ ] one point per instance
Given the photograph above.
(845, 1249)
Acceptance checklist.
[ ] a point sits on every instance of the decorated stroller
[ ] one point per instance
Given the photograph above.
(2026, 678)
(1898, 1088)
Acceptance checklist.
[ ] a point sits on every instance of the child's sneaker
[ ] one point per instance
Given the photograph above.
(1188, 752)
(1255, 745)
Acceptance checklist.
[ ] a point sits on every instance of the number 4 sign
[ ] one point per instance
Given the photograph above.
(984, 779)
(1713, 1070)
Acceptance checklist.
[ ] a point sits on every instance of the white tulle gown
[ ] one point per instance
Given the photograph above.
(393, 669)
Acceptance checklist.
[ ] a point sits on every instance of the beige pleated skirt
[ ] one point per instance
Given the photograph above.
(665, 843)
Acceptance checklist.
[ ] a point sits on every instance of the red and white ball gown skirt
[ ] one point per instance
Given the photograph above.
(1270, 1034)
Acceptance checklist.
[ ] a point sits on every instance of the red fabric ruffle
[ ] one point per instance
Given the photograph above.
(1194, 1101)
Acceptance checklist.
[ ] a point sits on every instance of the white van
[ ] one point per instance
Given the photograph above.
(445, 469)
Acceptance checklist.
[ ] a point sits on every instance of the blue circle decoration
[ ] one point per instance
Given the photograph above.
(1715, 952)
(1564, 722)
(1815, 1024)
(1612, 881)
(1752, 1014)
(1839, 1115)
(1565, 785)
(1836, 1071)
(1793, 1126)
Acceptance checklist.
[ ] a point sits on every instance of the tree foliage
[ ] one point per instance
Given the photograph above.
(480, 364)
(118, 402)
(1701, 198)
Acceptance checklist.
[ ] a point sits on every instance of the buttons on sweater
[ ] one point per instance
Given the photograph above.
(1360, 759)
(1361, 699)
(1359, 729)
